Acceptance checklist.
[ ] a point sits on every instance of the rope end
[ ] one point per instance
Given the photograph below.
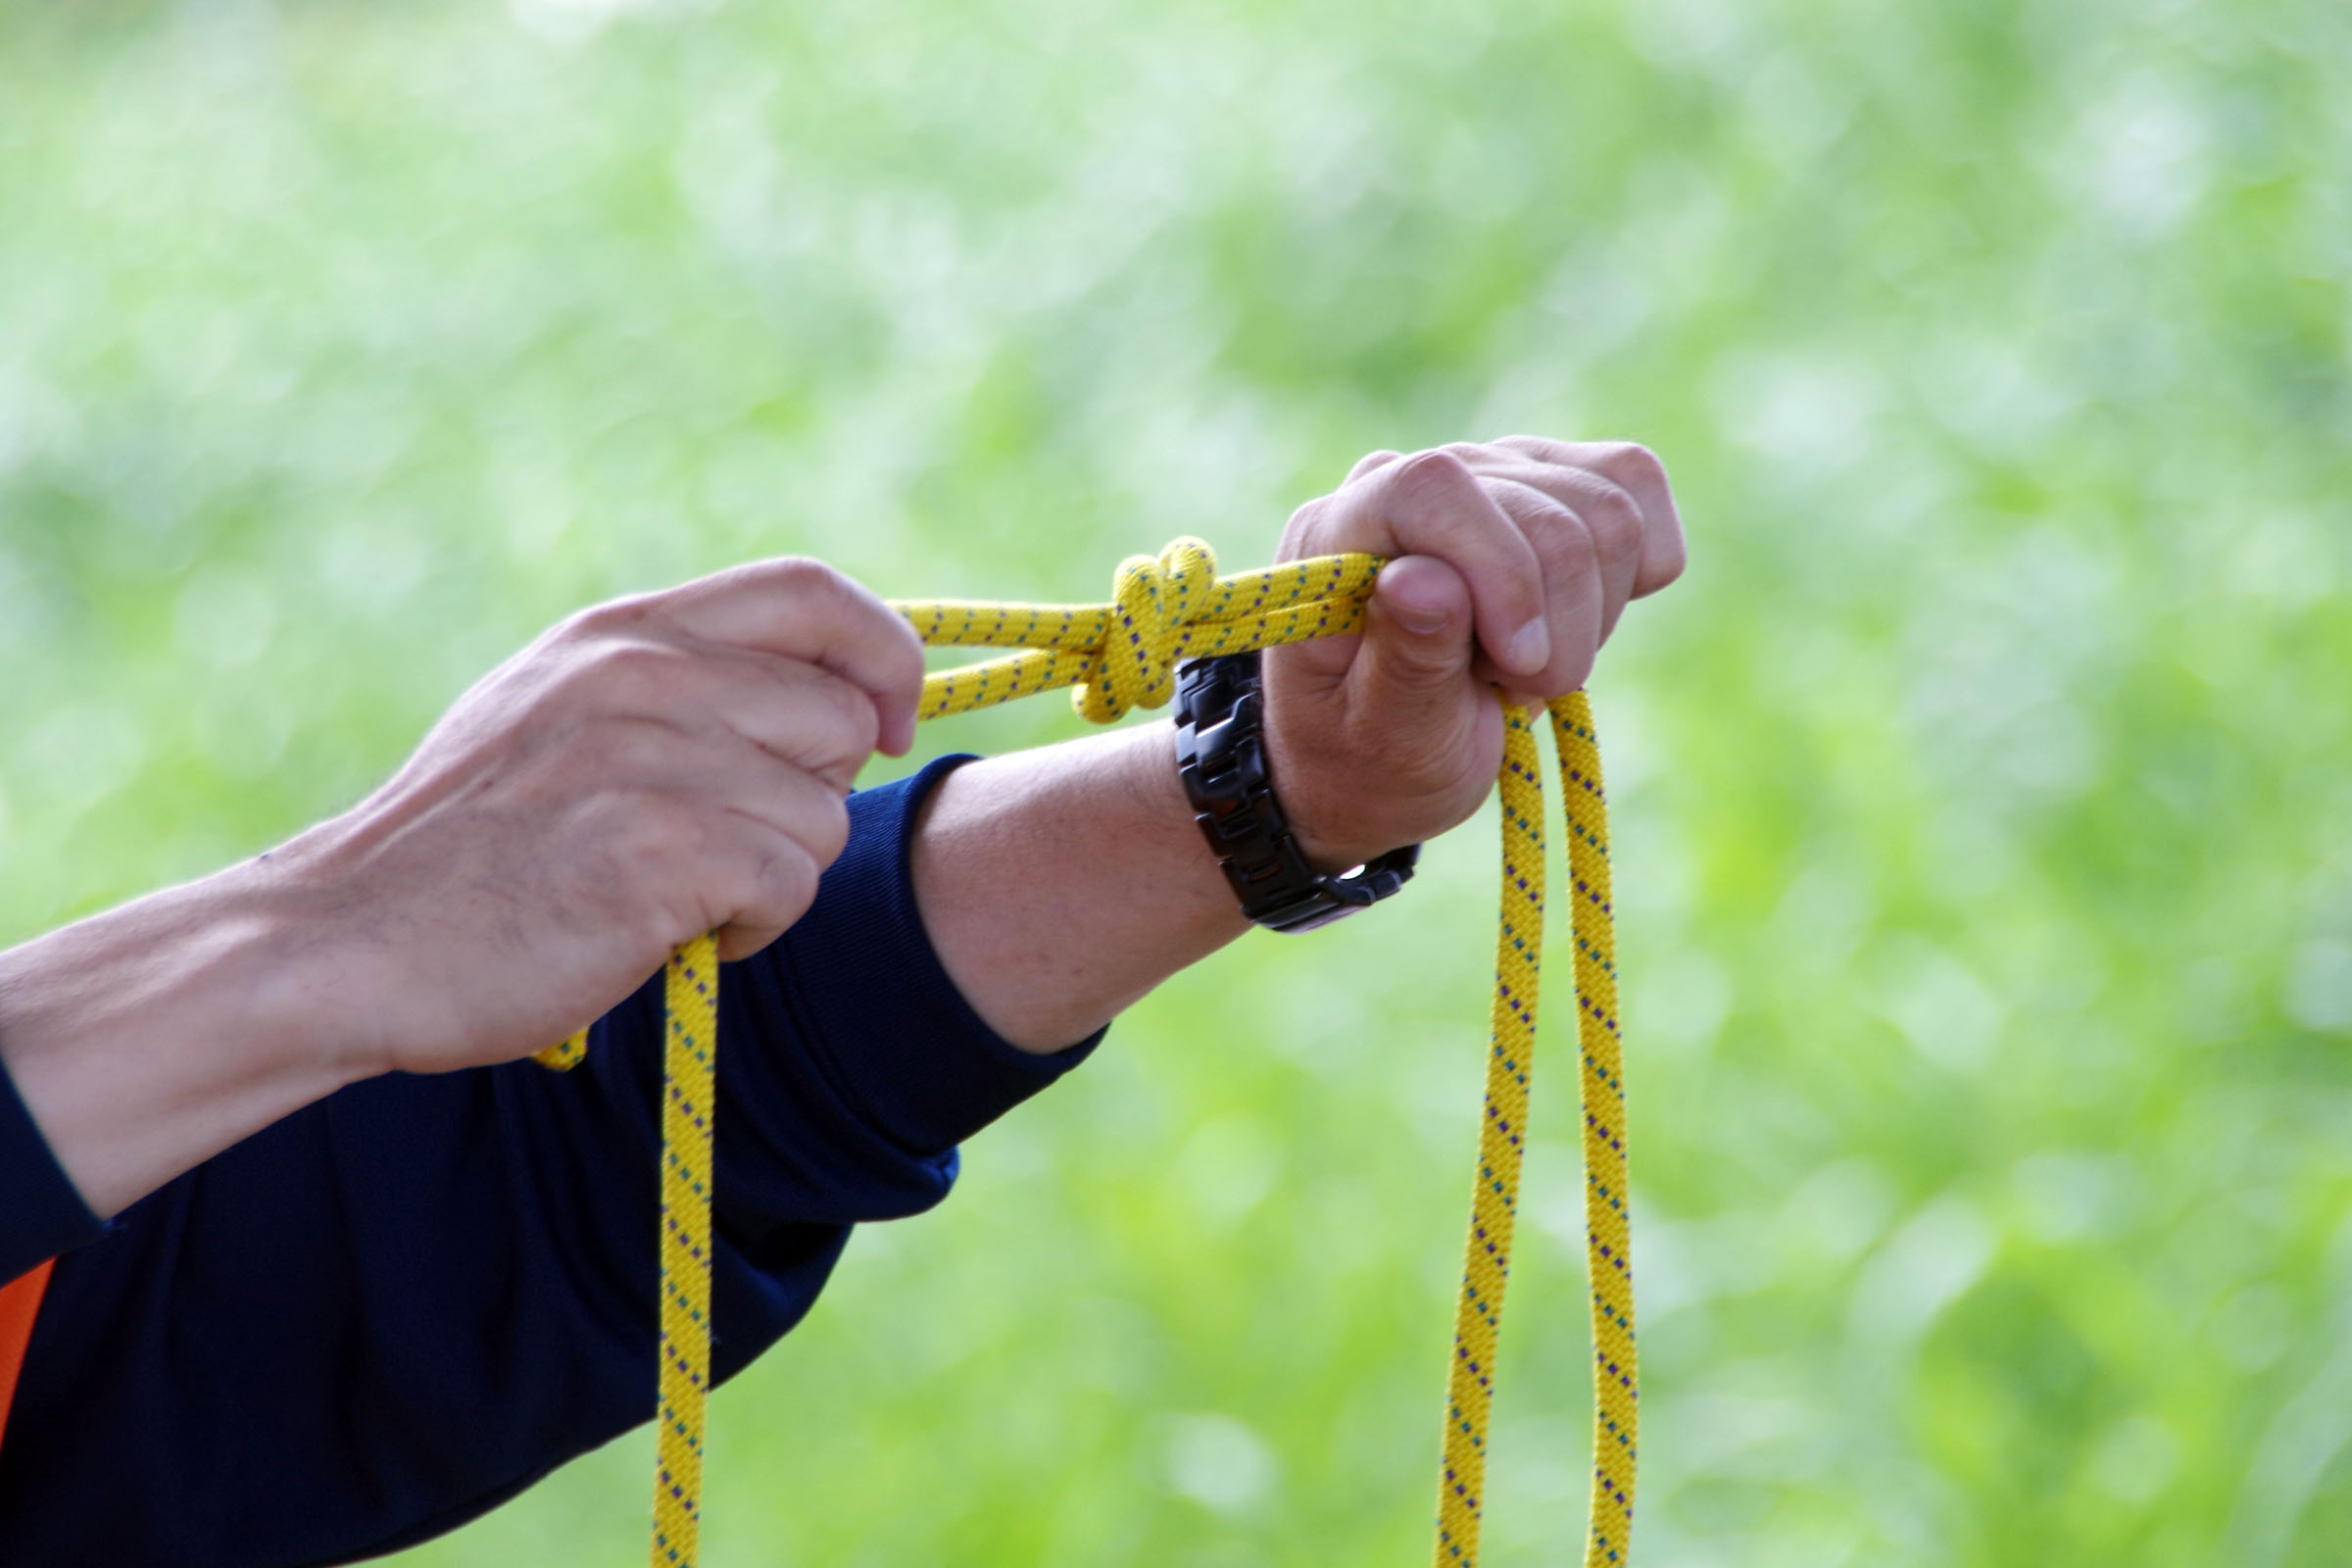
(566, 1055)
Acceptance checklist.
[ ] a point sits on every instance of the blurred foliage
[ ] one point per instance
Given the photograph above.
(1985, 791)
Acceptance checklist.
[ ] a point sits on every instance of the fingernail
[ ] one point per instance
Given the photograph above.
(1531, 647)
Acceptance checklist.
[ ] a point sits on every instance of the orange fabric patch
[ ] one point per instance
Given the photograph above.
(20, 1304)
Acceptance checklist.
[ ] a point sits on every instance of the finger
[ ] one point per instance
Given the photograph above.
(804, 716)
(693, 837)
(1371, 463)
(790, 828)
(1637, 471)
(1542, 497)
(798, 714)
(1576, 585)
(1588, 534)
(780, 880)
(1431, 504)
(774, 829)
(803, 609)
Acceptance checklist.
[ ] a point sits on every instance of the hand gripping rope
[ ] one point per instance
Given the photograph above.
(1122, 656)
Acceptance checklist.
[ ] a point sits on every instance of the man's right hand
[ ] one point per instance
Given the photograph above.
(648, 770)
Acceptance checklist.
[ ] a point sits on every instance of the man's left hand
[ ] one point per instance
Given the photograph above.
(1509, 565)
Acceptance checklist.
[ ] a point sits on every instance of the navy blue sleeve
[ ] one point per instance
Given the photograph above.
(389, 1312)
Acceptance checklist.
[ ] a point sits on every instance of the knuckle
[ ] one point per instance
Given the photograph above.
(854, 726)
(1305, 529)
(906, 672)
(1613, 514)
(651, 833)
(633, 664)
(783, 882)
(612, 671)
(1633, 466)
(828, 828)
(806, 577)
(1435, 475)
(628, 748)
(612, 618)
(1572, 545)
(832, 728)
(1542, 448)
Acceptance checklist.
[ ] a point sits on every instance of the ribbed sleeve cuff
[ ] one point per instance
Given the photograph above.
(42, 1211)
(927, 1068)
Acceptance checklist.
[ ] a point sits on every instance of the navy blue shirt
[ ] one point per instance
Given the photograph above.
(393, 1311)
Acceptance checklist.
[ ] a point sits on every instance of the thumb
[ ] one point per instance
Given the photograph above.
(1417, 641)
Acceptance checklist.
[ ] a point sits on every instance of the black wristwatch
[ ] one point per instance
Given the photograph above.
(1221, 756)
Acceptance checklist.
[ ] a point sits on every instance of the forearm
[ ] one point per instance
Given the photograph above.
(149, 1038)
(1060, 885)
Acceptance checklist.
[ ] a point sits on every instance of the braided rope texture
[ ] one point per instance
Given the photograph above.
(1608, 1191)
(690, 989)
(1120, 657)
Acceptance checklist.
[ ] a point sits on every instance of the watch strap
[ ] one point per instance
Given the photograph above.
(1221, 759)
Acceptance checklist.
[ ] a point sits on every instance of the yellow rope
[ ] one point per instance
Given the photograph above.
(1121, 656)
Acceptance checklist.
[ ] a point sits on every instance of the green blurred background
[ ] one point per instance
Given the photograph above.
(1986, 845)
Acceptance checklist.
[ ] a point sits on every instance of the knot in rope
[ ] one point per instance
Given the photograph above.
(1152, 599)
(1122, 656)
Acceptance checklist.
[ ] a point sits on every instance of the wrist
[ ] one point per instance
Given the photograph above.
(1351, 790)
(1325, 831)
(148, 1037)
(1328, 855)
(1235, 789)
(1319, 828)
